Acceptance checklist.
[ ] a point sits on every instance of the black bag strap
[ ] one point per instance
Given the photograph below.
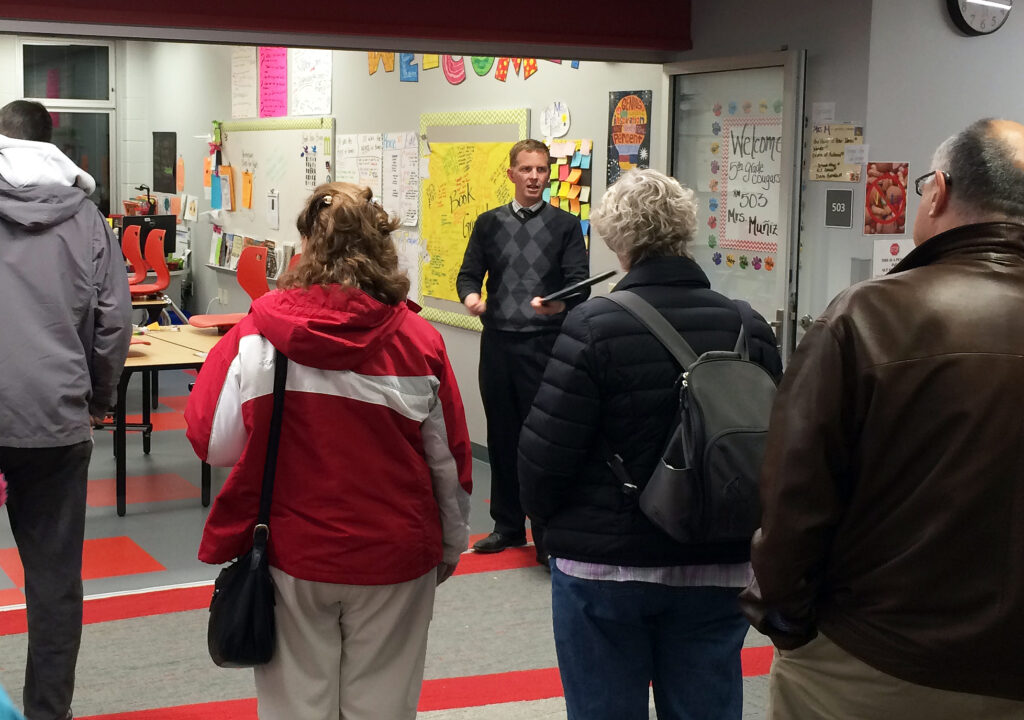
(273, 442)
(654, 321)
(746, 324)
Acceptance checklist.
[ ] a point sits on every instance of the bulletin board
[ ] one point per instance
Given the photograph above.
(465, 155)
(288, 158)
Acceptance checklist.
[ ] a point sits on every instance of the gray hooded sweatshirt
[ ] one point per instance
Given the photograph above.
(65, 309)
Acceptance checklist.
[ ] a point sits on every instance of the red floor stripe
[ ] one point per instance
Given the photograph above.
(161, 420)
(439, 694)
(141, 489)
(124, 607)
(11, 596)
(175, 402)
(101, 558)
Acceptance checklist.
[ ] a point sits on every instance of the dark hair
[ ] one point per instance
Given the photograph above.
(984, 175)
(526, 146)
(347, 242)
(26, 120)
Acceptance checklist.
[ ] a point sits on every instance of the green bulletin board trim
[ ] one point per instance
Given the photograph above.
(519, 117)
(281, 123)
(455, 319)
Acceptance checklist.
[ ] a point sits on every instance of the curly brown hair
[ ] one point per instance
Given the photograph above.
(347, 241)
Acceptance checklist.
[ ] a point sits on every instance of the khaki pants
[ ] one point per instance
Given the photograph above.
(354, 652)
(821, 680)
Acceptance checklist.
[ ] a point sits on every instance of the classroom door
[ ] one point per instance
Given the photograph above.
(736, 142)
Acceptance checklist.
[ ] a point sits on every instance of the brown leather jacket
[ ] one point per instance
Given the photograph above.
(893, 485)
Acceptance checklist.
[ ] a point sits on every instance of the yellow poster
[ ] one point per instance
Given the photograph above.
(465, 179)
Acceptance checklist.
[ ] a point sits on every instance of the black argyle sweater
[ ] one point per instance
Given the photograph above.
(523, 259)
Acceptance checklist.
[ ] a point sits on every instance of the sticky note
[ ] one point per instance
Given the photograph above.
(585, 226)
(207, 170)
(564, 190)
(179, 174)
(585, 162)
(554, 169)
(563, 172)
(576, 159)
(554, 188)
(247, 190)
(546, 194)
(216, 196)
(555, 201)
(574, 191)
(585, 146)
(562, 161)
(575, 205)
(575, 174)
(585, 211)
(584, 193)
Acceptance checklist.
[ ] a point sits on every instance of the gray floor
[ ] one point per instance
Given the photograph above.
(483, 623)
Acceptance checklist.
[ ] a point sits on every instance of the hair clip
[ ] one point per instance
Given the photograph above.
(327, 199)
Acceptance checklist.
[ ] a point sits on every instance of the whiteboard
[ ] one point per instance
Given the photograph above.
(287, 157)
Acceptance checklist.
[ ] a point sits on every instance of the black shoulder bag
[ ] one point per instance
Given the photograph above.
(241, 631)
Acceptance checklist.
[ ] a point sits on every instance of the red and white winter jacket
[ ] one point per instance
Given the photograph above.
(374, 470)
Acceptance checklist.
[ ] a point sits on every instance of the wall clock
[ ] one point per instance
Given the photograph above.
(979, 17)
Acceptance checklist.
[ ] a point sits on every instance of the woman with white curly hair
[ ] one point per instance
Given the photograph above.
(631, 606)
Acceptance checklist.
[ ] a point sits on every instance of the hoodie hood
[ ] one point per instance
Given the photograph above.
(26, 163)
(333, 328)
(38, 208)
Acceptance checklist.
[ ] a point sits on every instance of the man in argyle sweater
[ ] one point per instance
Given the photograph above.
(527, 249)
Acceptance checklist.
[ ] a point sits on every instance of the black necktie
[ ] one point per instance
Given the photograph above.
(525, 213)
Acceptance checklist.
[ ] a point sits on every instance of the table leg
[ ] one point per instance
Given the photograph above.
(147, 389)
(206, 484)
(120, 433)
(155, 389)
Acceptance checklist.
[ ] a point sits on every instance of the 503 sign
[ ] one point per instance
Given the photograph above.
(839, 208)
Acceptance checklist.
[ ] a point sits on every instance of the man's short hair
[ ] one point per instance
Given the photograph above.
(26, 120)
(526, 146)
(985, 179)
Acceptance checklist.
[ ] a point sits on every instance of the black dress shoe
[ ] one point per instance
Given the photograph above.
(496, 542)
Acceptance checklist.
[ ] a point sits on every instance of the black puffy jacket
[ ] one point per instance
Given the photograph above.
(610, 387)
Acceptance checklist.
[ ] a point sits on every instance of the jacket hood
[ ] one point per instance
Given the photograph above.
(26, 163)
(333, 328)
(39, 207)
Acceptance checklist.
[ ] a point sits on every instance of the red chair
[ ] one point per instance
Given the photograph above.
(294, 261)
(155, 260)
(252, 276)
(252, 271)
(132, 249)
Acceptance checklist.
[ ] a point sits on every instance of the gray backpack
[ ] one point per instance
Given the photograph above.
(705, 486)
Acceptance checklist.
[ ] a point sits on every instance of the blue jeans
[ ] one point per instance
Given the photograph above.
(615, 639)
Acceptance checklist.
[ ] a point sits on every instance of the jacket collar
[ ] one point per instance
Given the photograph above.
(990, 240)
(672, 270)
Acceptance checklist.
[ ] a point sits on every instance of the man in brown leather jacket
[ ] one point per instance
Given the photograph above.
(890, 562)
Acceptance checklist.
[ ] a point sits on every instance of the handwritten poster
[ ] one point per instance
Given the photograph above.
(273, 81)
(828, 144)
(309, 82)
(465, 179)
(370, 173)
(410, 258)
(244, 83)
(749, 201)
(629, 131)
(409, 202)
(347, 147)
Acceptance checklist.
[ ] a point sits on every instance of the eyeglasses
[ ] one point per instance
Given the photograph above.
(927, 176)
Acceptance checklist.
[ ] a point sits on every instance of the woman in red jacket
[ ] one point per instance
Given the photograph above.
(371, 497)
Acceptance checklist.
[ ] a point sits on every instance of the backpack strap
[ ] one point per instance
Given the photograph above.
(746, 326)
(656, 323)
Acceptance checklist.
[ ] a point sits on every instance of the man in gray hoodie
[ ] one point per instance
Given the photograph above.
(65, 326)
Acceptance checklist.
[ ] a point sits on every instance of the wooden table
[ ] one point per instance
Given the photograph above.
(181, 349)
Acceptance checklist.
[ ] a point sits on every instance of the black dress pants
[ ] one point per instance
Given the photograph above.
(46, 505)
(511, 368)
